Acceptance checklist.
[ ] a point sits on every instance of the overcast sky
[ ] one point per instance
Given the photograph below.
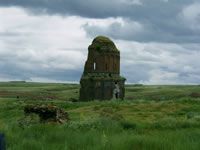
(47, 40)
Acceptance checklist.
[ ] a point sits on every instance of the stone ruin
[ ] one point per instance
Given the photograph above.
(195, 95)
(47, 112)
(101, 78)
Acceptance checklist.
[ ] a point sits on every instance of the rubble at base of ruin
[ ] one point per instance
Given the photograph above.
(101, 78)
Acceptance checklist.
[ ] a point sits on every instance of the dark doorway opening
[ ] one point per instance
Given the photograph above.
(116, 95)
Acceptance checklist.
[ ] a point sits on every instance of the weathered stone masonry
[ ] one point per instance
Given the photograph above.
(101, 77)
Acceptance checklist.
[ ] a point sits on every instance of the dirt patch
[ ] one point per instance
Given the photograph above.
(18, 95)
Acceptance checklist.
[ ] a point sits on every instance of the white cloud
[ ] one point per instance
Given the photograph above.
(46, 80)
(54, 49)
(5, 79)
(158, 63)
(44, 41)
(118, 28)
(165, 0)
(161, 77)
(131, 2)
(191, 16)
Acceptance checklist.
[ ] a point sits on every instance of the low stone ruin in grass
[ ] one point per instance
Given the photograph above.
(47, 113)
(195, 95)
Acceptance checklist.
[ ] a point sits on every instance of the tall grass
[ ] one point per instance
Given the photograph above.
(108, 135)
(150, 118)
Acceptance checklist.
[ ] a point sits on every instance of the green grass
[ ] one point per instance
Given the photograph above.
(149, 118)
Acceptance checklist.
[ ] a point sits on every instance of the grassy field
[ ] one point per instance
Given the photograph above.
(149, 118)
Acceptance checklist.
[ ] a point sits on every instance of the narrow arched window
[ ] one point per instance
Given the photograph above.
(94, 66)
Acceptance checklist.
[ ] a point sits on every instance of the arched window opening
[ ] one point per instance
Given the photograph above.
(94, 66)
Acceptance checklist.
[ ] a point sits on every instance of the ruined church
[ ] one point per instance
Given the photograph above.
(101, 78)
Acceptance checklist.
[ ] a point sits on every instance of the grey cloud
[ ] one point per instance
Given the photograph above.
(152, 20)
(159, 18)
(13, 71)
(102, 9)
(137, 72)
(14, 67)
(140, 64)
(87, 8)
(149, 33)
(8, 33)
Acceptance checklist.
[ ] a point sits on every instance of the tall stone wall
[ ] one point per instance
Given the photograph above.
(101, 89)
(102, 62)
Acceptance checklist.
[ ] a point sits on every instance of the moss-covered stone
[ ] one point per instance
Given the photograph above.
(47, 112)
(102, 76)
(103, 44)
(103, 38)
